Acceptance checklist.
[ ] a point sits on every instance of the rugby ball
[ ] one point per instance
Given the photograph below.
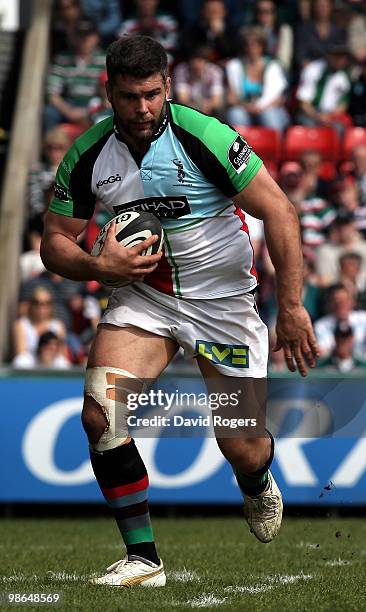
(132, 227)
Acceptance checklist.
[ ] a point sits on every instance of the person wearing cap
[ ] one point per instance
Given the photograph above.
(323, 92)
(343, 237)
(73, 78)
(341, 308)
(343, 359)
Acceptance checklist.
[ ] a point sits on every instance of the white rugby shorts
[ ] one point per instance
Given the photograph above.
(228, 331)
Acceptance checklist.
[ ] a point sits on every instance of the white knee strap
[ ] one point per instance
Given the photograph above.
(115, 411)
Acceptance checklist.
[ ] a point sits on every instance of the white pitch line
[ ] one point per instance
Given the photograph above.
(205, 601)
(285, 579)
(337, 562)
(183, 575)
(253, 590)
(303, 544)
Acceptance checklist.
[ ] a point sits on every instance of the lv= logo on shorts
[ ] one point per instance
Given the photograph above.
(233, 355)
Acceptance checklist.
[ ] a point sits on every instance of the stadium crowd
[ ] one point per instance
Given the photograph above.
(271, 69)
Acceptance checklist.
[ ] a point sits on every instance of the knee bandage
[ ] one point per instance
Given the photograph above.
(110, 387)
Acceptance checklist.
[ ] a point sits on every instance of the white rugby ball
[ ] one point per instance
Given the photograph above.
(132, 227)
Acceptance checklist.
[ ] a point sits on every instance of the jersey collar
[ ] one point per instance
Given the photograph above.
(161, 128)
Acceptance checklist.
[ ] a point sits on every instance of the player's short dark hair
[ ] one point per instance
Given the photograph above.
(136, 56)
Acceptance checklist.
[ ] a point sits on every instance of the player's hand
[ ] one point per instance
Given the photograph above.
(116, 262)
(296, 336)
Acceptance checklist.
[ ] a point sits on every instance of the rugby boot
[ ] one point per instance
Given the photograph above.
(133, 571)
(263, 512)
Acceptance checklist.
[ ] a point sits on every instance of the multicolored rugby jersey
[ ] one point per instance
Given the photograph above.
(193, 168)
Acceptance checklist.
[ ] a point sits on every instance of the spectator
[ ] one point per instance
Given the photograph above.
(343, 238)
(107, 14)
(316, 217)
(279, 37)
(60, 289)
(239, 11)
(257, 85)
(49, 354)
(314, 185)
(73, 78)
(346, 196)
(148, 22)
(85, 315)
(30, 262)
(356, 31)
(290, 180)
(359, 171)
(314, 38)
(341, 310)
(212, 30)
(100, 107)
(312, 295)
(323, 92)
(68, 14)
(56, 143)
(199, 83)
(343, 358)
(357, 101)
(352, 278)
(40, 318)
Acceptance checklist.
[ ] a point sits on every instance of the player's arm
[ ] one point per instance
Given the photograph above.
(263, 199)
(61, 253)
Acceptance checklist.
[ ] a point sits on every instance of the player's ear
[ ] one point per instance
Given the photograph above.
(167, 87)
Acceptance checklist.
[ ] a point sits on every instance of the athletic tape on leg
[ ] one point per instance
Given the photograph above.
(109, 387)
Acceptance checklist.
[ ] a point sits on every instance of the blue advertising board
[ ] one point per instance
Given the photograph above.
(44, 452)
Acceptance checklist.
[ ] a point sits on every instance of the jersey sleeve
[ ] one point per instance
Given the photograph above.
(74, 196)
(223, 156)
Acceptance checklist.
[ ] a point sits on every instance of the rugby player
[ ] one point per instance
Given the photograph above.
(199, 176)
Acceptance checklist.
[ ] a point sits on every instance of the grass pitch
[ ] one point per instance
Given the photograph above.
(211, 563)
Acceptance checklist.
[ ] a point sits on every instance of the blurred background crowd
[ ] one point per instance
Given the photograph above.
(291, 77)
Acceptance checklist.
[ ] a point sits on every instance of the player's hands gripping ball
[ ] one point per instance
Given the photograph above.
(129, 247)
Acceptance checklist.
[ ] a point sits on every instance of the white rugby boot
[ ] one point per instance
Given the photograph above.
(133, 571)
(263, 512)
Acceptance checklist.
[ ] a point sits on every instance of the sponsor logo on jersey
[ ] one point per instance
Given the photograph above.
(233, 355)
(180, 170)
(61, 193)
(114, 178)
(168, 207)
(239, 154)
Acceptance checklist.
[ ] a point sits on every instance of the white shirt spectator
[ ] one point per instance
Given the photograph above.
(209, 86)
(322, 88)
(324, 330)
(274, 81)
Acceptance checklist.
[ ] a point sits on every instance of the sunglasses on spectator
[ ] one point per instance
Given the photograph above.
(41, 302)
(55, 147)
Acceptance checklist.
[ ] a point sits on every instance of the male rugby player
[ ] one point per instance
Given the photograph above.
(200, 177)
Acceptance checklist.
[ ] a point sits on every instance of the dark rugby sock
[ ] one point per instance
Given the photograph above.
(255, 483)
(123, 479)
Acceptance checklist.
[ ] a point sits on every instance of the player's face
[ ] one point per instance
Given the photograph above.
(138, 104)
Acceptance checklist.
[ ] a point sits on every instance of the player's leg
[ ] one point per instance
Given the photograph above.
(249, 452)
(120, 360)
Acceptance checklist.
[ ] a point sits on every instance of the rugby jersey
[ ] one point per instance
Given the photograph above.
(194, 167)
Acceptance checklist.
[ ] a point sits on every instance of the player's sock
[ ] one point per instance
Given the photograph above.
(256, 482)
(123, 479)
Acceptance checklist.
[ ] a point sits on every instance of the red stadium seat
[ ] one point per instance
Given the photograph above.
(73, 130)
(353, 137)
(323, 139)
(265, 142)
